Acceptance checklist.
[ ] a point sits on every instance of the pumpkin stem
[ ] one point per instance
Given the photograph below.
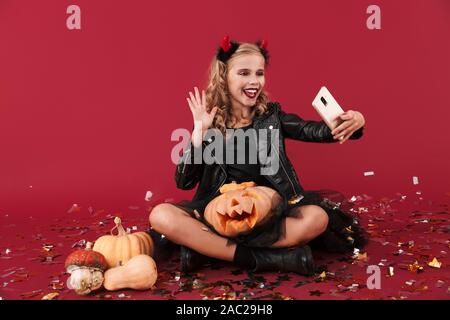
(236, 186)
(120, 230)
(88, 245)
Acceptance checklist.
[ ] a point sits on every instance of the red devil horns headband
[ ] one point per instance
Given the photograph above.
(228, 48)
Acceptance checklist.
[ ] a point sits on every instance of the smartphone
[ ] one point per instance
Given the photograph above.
(328, 108)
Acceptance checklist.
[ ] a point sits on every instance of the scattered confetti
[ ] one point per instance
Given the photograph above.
(402, 238)
(74, 208)
(322, 276)
(50, 296)
(435, 263)
(354, 287)
(31, 294)
(361, 256)
(79, 244)
(148, 196)
(415, 267)
(47, 247)
(57, 285)
(410, 282)
(391, 271)
(415, 180)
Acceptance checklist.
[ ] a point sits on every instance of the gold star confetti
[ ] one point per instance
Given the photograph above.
(349, 229)
(322, 276)
(435, 263)
(47, 247)
(50, 296)
(415, 267)
(360, 256)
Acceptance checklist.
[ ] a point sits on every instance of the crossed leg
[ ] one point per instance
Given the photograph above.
(178, 226)
(308, 222)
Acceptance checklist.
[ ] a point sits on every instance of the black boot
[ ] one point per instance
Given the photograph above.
(297, 259)
(163, 247)
(191, 260)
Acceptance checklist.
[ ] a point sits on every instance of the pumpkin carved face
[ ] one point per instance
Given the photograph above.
(241, 207)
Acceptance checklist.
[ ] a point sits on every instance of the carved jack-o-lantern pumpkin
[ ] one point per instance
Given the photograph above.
(241, 207)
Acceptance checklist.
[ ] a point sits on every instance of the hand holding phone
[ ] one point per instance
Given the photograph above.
(328, 108)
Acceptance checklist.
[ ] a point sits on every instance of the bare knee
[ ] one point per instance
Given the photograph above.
(163, 218)
(310, 222)
(318, 217)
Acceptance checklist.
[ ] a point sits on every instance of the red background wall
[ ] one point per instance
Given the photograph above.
(86, 115)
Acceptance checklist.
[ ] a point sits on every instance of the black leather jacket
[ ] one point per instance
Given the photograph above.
(285, 181)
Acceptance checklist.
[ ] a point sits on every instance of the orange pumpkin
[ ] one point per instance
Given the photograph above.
(120, 248)
(241, 207)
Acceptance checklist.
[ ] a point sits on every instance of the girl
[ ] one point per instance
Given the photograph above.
(235, 100)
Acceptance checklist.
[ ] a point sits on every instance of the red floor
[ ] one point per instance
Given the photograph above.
(403, 231)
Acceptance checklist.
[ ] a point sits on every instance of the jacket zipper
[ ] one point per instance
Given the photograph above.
(187, 152)
(296, 198)
(284, 169)
(225, 173)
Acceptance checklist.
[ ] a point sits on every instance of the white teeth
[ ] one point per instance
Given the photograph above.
(251, 93)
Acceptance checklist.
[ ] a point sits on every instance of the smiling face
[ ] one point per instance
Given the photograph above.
(245, 79)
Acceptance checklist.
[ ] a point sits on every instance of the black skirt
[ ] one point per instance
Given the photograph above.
(343, 233)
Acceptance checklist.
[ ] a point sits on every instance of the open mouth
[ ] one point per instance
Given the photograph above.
(251, 93)
(239, 216)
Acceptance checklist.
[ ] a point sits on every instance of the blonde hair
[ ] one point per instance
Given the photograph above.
(216, 91)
